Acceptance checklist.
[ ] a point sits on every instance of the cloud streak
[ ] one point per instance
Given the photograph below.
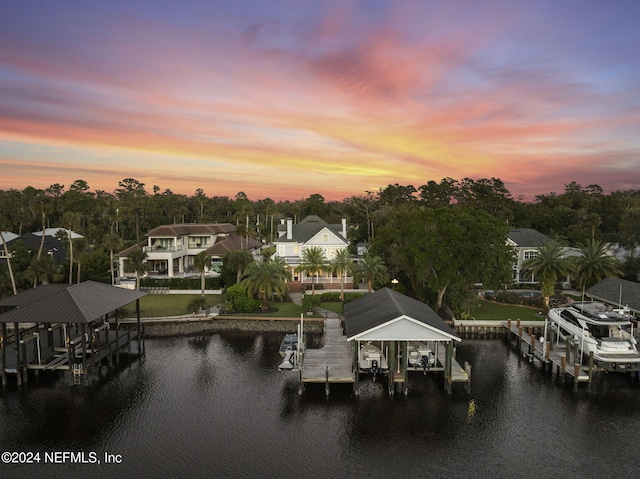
(330, 97)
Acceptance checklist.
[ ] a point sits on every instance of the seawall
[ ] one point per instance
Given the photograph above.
(215, 324)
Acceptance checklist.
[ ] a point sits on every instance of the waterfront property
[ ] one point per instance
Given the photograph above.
(395, 328)
(171, 249)
(64, 327)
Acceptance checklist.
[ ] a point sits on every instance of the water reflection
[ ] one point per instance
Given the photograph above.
(218, 406)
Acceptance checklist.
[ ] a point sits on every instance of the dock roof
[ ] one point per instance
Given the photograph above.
(617, 291)
(389, 315)
(55, 303)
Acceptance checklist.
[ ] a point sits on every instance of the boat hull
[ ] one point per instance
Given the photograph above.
(613, 348)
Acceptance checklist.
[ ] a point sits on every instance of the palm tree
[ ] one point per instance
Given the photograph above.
(549, 265)
(137, 262)
(81, 253)
(201, 262)
(8, 256)
(370, 269)
(237, 260)
(40, 270)
(313, 263)
(341, 264)
(265, 278)
(595, 263)
(71, 220)
(112, 243)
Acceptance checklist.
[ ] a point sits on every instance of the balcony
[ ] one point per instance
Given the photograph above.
(161, 249)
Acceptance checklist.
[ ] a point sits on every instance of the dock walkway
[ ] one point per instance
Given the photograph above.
(555, 358)
(331, 363)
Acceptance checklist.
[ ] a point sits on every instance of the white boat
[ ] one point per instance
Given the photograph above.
(289, 343)
(421, 356)
(372, 360)
(600, 329)
(289, 361)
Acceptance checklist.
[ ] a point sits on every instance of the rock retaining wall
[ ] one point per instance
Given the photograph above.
(164, 328)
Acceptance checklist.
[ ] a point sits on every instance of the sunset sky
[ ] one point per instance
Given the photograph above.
(284, 99)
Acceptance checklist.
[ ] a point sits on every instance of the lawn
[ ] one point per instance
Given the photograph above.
(494, 311)
(158, 305)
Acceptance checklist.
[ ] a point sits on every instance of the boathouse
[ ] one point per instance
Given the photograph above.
(396, 324)
(617, 292)
(64, 327)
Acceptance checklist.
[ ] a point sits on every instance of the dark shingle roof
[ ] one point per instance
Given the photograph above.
(78, 303)
(192, 229)
(528, 238)
(233, 242)
(386, 305)
(309, 227)
(609, 290)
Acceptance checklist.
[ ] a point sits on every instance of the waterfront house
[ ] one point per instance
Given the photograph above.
(171, 249)
(525, 242)
(312, 231)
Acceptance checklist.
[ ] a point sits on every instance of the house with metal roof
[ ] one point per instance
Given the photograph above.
(312, 231)
(171, 249)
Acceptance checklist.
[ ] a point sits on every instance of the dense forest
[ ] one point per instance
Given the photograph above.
(110, 221)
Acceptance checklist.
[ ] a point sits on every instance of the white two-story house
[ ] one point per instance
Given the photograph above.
(171, 249)
(293, 239)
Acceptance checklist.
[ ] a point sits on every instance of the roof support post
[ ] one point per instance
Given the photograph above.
(3, 353)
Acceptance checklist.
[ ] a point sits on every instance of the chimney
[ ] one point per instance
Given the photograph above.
(289, 229)
(344, 228)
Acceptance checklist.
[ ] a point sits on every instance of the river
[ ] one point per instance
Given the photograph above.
(223, 410)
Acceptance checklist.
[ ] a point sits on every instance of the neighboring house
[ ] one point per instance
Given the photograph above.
(55, 233)
(293, 239)
(171, 248)
(617, 292)
(525, 242)
(52, 246)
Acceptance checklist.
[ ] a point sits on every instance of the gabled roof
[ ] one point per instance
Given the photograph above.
(232, 242)
(386, 306)
(8, 237)
(78, 303)
(184, 229)
(617, 291)
(527, 238)
(54, 232)
(306, 229)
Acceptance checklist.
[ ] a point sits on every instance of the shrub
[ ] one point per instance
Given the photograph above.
(237, 300)
(310, 301)
(196, 304)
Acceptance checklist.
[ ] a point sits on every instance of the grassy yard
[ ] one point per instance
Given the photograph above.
(494, 311)
(157, 305)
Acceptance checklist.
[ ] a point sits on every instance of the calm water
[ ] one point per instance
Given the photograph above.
(224, 410)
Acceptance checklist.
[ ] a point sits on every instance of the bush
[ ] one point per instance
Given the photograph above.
(310, 301)
(181, 283)
(196, 304)
(237, 300)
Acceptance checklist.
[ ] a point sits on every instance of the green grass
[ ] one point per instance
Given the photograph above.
(493, 311)
(157, 305)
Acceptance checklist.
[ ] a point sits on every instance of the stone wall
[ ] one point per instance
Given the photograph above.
(163, 328)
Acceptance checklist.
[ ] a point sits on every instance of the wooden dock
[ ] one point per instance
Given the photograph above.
(336, 362)
(332, 363)
(558, 358)
(45, 349)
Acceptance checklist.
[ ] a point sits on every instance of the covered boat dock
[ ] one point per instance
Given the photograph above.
(65, 327)
(396, 323)
(393, 323)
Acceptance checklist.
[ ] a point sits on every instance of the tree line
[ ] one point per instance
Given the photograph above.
(471, 214)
